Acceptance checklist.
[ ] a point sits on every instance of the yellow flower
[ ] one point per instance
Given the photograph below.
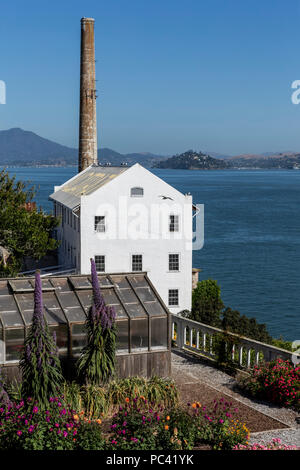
(76, 417)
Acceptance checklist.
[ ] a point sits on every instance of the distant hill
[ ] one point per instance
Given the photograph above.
(286, 161)
(18, 146)
(191, 160)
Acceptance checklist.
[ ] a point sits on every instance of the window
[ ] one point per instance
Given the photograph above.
(137, 192)
(99, 223)
(100, 263)
(174, 262)
(174, 223)
(137, 262)
(173, 297)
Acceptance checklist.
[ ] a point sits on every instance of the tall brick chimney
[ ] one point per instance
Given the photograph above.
(87, 118)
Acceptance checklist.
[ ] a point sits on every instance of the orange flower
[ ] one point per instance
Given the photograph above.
(194, 405)
(166, 427)
(82, 412)
(127, 400)
(168, 418)
(76, 417)
(98, 421)
(198, 404)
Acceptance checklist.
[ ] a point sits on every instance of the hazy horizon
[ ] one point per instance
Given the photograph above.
(205, 75)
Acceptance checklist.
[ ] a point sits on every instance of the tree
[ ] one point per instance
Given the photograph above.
(206, 303)
(40, 365)
(240, 324)
(97, 362)
(22, 232)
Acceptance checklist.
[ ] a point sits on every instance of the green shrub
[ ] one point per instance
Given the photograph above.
(90, 437)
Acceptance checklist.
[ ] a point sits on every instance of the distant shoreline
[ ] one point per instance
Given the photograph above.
(155, 168)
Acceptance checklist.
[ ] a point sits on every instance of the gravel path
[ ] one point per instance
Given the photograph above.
(198, 371)
(290, 437)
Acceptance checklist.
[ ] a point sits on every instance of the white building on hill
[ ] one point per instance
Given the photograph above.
(128, 220)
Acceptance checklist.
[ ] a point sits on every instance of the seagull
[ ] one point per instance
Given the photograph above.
(166, 197)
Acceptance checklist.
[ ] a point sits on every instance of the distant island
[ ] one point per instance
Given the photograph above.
(19, 147)
(192, 160)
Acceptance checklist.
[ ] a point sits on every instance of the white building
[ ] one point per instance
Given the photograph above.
(128, 219)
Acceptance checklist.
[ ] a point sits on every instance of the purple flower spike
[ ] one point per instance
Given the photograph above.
(38, 316)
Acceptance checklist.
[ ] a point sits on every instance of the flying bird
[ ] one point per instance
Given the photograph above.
(166, 197)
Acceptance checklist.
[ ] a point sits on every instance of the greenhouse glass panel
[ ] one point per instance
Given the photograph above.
(53, 312)
(110, 297)
(145, 294)
(21, 285)
(2, 346)
(86, 298)
(4, 288)
(139, 334)
(122, 335)
(120, 312)
(159, 333)
(62, 338)
(104, 281)
(138, 281)
(14, 342)
(26, 304)
(154, 308)
(79, 339)
(80, 283)
(68, 299)
(120, 282)
(60, 284)
(135, 310)
(9, 312)
(75, 314)
(127, 296)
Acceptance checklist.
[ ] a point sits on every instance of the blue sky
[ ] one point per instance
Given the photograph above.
(172, 74)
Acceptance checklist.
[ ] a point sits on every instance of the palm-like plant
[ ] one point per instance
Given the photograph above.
(40, 365)
(97, 362)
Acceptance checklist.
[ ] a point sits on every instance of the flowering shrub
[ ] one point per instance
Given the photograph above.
(135, 425)
(277, 381)
(177, 430)
(219, 425)
(32, 428)
(275, 444)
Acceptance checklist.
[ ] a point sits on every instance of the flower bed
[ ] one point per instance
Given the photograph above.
(277, 382)
(275, 444)
(138, 424)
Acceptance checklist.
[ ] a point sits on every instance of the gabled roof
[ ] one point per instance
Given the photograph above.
(85, 183)
(67, 299)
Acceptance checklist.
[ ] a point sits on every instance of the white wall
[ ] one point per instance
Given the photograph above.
(116, 196)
